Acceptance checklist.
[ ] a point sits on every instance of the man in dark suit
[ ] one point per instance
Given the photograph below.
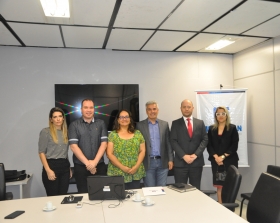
(188, 140)
(159, 156)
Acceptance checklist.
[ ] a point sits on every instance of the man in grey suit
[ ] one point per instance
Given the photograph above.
(188, 139)
(159, 155)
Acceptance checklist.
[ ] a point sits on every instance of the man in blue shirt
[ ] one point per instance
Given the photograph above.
(159, 155)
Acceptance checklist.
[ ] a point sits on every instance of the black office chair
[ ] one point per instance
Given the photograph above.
(274, 170)
(230, 188)
(3, 194)
(264, 204)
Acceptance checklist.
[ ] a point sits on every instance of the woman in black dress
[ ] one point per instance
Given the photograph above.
(222, 146)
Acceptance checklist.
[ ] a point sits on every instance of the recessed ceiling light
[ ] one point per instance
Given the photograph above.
(56, 8)
(225, 41)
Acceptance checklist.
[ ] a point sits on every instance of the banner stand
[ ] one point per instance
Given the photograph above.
(235, 100)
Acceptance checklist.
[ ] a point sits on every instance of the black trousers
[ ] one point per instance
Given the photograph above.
(81, 174)
(59, 186)
(193, 174)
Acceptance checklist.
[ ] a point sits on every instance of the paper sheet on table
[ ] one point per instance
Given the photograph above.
(150, 191)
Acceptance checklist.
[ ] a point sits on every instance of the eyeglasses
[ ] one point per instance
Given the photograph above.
(124, 117)
(221, 114)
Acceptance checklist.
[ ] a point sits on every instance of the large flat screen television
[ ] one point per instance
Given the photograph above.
(108, 100)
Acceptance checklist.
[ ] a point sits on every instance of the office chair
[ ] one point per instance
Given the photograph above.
(230, 188)
(264, 205)
(274, 170)
(3, 194)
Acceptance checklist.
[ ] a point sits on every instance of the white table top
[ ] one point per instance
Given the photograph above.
(191, 206)
(33, 208)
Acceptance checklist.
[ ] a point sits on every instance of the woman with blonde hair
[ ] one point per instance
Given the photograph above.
(222, 146)
(53, 152)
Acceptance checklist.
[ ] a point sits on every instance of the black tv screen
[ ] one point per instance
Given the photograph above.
(108, 100)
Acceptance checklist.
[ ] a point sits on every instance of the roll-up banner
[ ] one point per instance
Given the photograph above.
(235, 101)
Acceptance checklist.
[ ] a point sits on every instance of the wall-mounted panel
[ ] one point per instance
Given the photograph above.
(277, 106)
(277, 156)
(277, 53)
(260, 107)
(257, 60)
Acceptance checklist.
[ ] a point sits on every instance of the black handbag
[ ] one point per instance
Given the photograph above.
(14, 175)
(221, 176)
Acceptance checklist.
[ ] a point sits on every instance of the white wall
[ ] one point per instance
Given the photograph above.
(258, 69)
(28, 75)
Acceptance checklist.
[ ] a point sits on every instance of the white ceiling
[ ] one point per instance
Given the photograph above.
(146, 25)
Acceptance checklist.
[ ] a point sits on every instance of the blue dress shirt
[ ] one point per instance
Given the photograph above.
(155, 138)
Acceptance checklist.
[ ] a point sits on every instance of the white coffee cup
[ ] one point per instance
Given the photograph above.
(49, 205)
(137, 197)
(148, 200)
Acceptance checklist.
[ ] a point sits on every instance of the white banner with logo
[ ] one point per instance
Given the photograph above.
(235, 101)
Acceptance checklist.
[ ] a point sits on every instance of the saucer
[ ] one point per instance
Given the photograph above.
(53, 208)
(145, 204)
(141, 199)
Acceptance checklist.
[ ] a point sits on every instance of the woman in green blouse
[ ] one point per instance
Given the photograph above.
(126, 151)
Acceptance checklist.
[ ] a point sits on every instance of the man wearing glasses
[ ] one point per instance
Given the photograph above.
(88, 139)
(159, 155)
(188, 139)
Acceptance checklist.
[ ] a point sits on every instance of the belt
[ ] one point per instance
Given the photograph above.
(155, 157)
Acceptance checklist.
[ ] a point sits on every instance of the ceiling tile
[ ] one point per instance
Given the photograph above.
(127, 39)
(239, 45)
(144, 13)
(200, 42)
(6, 38)
(196, 15)
(22, 10)
(84, 37)
(271, 28)
(95, 13)
(167, 40)
(38, 35)
(248, 15)
(141, 17)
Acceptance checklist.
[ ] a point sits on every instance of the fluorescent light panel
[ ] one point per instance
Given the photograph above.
(56, 8)
(225, 41)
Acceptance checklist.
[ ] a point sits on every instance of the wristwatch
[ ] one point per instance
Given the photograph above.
(223, 156)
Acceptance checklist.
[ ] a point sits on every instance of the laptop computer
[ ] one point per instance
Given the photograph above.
(106, 187)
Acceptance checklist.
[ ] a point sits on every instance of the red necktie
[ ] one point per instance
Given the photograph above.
(189, 127)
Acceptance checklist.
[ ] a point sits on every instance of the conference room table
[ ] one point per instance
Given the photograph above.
(192, 206)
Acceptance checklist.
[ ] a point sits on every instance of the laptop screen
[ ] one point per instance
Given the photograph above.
(106, 187)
